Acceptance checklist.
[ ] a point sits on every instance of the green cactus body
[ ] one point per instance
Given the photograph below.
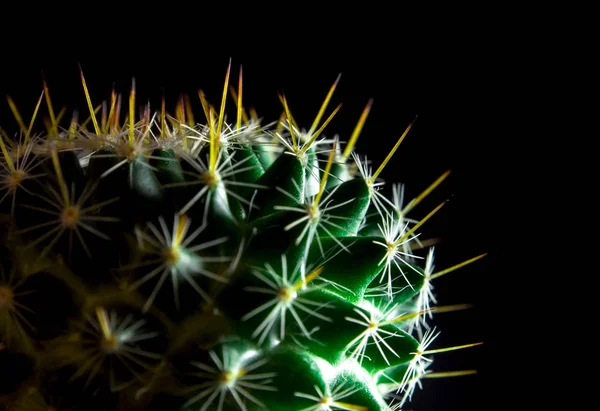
(154, 264)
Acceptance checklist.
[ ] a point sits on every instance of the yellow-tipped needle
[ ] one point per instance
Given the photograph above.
(53, 121)
(180, 111)
(59, 176)
(73, 125)
(290, 121)
(351, 407)
(357, 130)
(320, 130)
(413, 203)
(6, 155)
(16, 114)
(279, 127)
(111, 111)
(89, 102)
(132, 114)
(439, 310)
(418, 225)
(456, 267)
(223, 101)
(87, 120)
(391, 153)
(180, 232)
(205, 105)
(458, 347)
(310, 277)
(324, 106)
(449, 374)
(104, 117)
(162, 117)
(35, 111)
(213, 140)
(117, 112)
(325, 175)
(188, 111)
(238, 121)
(102, 317)
(235, 97)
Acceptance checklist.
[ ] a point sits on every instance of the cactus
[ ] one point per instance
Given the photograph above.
(151, 262)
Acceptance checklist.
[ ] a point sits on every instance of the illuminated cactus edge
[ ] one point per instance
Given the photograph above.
(151, 262)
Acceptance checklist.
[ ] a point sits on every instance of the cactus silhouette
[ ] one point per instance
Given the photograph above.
(149, 261)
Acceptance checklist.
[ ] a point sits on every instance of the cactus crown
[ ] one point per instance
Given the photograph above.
(149, 259)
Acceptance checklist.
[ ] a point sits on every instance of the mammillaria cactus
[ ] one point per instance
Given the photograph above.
(152, 262)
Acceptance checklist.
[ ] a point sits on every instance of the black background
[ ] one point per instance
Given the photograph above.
(454, 85)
